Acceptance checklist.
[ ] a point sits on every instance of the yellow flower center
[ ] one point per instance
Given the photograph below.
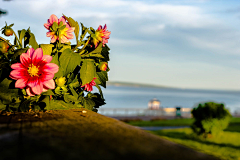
(33, 70)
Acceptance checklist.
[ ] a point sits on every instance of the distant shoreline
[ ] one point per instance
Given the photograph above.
(128, 84)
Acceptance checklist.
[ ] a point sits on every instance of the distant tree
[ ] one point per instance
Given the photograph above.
(210, 118)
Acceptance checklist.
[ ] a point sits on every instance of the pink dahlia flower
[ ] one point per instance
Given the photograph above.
(34, 72)
(89, 86)
(53, 33)
(101, 35)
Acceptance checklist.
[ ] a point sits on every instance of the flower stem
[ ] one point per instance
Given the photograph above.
(85, 45)
(20, 44)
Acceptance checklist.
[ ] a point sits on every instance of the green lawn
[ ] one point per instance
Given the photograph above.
(172, 122)
(225, 145)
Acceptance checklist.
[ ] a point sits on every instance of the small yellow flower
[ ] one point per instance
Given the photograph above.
(61, 81)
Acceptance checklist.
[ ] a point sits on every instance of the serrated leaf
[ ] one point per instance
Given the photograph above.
(102, 78)
(69, 61)
(47, 48)
(87, 71)
(75, 24)
(70, 98)
(88, 103)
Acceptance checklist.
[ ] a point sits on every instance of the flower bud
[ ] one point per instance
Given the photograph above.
(3, 47)
(60, 81)
(8, 32)
(103, 66)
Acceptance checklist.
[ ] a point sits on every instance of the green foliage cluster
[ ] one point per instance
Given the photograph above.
(78, 65)
(210, 118)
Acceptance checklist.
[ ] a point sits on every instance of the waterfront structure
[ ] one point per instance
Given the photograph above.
(154, 104)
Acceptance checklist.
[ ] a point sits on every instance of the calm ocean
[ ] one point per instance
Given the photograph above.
(138, 97)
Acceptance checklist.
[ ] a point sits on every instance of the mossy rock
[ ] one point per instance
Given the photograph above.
(72, 134)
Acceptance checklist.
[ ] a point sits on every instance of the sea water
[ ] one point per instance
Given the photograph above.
(138, 97)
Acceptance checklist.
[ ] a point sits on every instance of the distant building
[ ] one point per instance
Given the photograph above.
(154, 104)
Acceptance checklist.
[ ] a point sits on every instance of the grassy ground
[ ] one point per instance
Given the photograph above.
(234, 125)
(225, 145)
(172, 122)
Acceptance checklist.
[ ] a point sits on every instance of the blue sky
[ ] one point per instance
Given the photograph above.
(184, 43)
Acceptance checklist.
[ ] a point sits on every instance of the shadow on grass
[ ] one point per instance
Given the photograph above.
(185, 136)
(233, 127)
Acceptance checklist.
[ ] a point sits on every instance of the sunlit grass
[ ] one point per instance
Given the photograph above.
(225, 145)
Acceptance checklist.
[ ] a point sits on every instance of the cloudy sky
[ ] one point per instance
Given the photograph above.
(182, 43)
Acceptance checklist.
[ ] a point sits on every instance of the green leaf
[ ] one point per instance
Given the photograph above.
(59, 104)
(47, 48)
(30, 39)
(44, 103)
(74, 92)
(17, 53)
(61, 70)
(88, 71)
(65, 47)
(100, 90)
(8, 92)
(102, 78)
(99, 101)
(49, 92)
(70, 99)
(88, 103)
(105, 53)
(21, 34)
(69, 61)
(75, 24)
(25, 105)
(2, 106)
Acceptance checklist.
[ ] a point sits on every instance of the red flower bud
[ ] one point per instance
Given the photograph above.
(8, 32)
(103, 66)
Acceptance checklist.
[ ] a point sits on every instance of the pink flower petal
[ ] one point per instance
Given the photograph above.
(29, 91)
(37, 56)
(38, 88)
(46, 76)
(21, 83)
(47, 58)
(53, 18)
(49, 84)
(30, 52)
(32, 81)
(62, 19)
(64, 39)
(25, 60)
(70, 36)
(53, 39)
(50, 67)
(17, 66)
(71, 29)
(47, 25)
(45, 89)
(17, 74)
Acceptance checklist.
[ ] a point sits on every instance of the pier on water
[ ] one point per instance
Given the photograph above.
(146, 113)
